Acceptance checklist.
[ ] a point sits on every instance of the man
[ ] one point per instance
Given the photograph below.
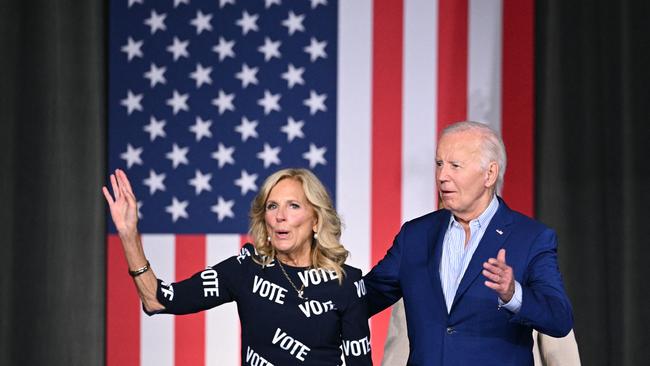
(476, 277)
(547, 350)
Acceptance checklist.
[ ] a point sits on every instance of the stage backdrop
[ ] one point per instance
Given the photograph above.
(207, 98)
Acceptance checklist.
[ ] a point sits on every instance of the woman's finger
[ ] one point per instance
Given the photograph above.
(116, 187)
(125, 180)
(108, 196)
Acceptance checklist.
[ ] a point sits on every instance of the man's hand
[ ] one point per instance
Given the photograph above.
(500, 276)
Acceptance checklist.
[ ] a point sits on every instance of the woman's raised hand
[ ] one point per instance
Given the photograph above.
(124, 207)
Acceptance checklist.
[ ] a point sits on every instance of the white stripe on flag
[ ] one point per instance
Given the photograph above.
(222, 339)
(157, 332)
(354, 128)
(419, 107)
(484, 62)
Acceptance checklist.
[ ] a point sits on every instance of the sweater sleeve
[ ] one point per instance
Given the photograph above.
(206, 289)
(355, 332)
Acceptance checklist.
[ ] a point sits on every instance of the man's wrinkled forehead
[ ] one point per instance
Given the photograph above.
(465, 143)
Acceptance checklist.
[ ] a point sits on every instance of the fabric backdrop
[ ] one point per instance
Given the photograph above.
(591, 176)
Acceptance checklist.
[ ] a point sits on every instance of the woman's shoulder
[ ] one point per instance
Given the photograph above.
(353, 273)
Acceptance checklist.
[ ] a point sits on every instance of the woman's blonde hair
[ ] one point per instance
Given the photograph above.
(326, 251)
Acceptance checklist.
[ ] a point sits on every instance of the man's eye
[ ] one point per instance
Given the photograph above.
(438, 164)
(455, 165)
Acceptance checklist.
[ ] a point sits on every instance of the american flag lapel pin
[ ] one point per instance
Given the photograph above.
(499, 232)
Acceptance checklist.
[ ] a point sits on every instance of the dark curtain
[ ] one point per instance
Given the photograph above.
(593, 172)
(52, 113)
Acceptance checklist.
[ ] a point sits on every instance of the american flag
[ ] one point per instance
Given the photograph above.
(207, 98)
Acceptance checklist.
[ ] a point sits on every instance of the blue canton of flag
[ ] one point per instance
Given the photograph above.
(207, 98)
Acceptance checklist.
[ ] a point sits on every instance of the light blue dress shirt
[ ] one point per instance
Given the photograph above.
(456, 256)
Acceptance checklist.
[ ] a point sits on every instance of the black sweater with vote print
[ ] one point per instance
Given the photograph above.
(277, 327)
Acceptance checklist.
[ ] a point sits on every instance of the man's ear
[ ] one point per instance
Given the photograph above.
(491, 174)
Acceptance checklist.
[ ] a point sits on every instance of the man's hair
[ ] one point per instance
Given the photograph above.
(327, 252)
(492, 147)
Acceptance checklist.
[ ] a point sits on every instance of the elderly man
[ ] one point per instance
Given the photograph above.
(476, 277)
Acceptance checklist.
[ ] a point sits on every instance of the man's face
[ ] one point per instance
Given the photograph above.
(464, 186)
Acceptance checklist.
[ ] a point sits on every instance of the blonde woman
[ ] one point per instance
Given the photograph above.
(298, 302)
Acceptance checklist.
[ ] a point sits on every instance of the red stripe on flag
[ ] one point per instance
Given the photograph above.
(386, 142)
(122, 309)
(517, 124)
(245, 238)
(452, 62)
(189, 336)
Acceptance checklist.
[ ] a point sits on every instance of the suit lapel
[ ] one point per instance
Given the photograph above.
(435, 239)
(493, 239)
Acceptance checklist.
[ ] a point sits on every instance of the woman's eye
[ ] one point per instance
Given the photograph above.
(271, 206)
(294, 205)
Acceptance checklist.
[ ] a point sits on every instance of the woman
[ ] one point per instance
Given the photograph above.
(298, 303)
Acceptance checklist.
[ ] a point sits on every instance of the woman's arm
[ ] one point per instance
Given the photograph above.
(124, 213)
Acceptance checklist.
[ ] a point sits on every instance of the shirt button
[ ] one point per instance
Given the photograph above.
(450, 330)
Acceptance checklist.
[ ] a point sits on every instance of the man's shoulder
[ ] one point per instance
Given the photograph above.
(522, 221)
(428, 220)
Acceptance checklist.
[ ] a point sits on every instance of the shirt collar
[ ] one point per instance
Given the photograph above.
(484, 218)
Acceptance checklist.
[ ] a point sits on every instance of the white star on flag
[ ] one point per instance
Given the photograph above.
(293, 76)
(315, 155)
(156, 75)
(202, 22)
(224, 102)
(201, 128)
(132, 48)
(132, 102)
(178, 155)
(131, 2)
(223, 208)
(247, 75)
(201, 75)
(294, 23)
(315, 3)
(246, 128)
(178, 102)
(315, 102)
(316, 49)
(155, 182)
(179, 2)
(201, 182)
(139, 205)
(156, 21)
(293, 129)
(246, 182)
(224, 49)
(177, 209)
(179, 49)
(269, 155)
(268, 3)
(155, 128)
(223, 155)
(247, 22)
(223, 3)
(270, 102)
(270, 49)
(132, 155)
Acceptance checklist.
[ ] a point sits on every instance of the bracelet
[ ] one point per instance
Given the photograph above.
(139, 271)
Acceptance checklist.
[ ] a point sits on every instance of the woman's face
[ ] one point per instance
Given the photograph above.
(290, 218)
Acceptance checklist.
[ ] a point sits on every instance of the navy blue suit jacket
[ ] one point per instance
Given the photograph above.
(476, 331)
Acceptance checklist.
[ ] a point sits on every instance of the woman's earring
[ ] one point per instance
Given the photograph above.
(268, 238)
(315, 236)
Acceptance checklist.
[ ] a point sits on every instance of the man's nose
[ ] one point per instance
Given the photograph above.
(441, 173)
